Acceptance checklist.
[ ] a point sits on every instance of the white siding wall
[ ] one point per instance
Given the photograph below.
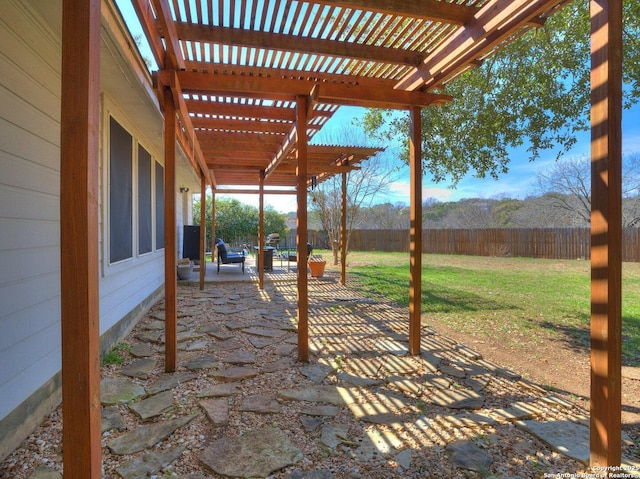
(30, 348)
(29, 204)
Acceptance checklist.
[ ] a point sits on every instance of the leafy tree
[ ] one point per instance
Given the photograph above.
(236, 222)
(534, 92)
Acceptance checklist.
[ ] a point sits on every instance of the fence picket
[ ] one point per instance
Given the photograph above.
(548, 243)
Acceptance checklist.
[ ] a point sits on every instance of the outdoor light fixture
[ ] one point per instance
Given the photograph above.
(184, 189)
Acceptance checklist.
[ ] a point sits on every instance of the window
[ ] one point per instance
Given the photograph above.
(145, 224)
(159, 206)
(120, 193)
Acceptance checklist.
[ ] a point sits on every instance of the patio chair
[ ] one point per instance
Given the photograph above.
(229, 257)
(291, 255)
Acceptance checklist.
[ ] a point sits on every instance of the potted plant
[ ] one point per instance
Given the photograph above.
(316, 265)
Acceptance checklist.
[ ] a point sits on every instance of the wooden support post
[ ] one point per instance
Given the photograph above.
(213, 223)
(343, 232)
(260, 253)
(79, 166)
(170, 246)
(606, 231)
(203, 228)
(415, 230)
(302, 235)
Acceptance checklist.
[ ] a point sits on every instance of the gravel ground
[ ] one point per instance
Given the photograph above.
(348, 336)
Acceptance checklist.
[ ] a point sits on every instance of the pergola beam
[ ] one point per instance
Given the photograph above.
(334, 93)
(236, 111)
(169, 79)
(148, 23)
(495, 22)
(249, 191)
(173, 55)
(283, 150)
(432, 10)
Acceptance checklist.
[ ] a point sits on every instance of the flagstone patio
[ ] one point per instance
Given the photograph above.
(241, 405)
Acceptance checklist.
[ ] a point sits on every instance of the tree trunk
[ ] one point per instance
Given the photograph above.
(335, 249)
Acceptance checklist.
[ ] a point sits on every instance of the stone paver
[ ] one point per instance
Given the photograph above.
(119, 390)
(566, 437)
(466, 455)
(261, 405)
(256, 454)
(45, 472)
(111, 419)
(149, 464)
(140, 368)
(154, 405)
(456, 398)
(240, 357)
(359, 372)
(333, 435)
(235, 374)
(203, 362)
(142, 350)
(169, 381)
(338, 396)
(220, 390)
(217, 410)
(144, 437)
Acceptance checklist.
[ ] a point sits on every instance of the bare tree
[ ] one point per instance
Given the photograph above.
(568, 187)
(387, 216)
(364, 185)
(470, 213)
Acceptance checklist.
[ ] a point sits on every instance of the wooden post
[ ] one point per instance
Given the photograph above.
(606, 231)
(213, 222)
(203, 229)
(302, 235)
(415, 230)
(79, 166)
(343, 232)
(260, 253)
(170, 246)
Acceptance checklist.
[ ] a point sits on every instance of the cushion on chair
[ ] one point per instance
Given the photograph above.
(222, 251)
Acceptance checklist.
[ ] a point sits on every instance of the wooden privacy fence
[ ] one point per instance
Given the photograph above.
(550, 243)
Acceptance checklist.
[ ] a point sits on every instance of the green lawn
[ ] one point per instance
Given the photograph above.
(488, 296)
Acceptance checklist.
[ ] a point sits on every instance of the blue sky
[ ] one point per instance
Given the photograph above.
(517, 183)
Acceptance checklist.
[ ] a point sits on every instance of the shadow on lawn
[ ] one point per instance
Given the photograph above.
(435, 298)
(578, 338)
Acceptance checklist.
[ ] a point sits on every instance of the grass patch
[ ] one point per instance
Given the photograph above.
(114, 357)
(518, 297)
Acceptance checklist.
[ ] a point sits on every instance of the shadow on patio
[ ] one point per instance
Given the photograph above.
(241, 405)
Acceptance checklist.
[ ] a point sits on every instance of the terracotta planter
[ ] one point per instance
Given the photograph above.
(317, 268)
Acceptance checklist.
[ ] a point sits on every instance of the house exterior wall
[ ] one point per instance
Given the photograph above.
(30, 85)
(29, 205)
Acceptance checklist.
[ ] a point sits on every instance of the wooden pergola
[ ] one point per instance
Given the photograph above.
(245, 84)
